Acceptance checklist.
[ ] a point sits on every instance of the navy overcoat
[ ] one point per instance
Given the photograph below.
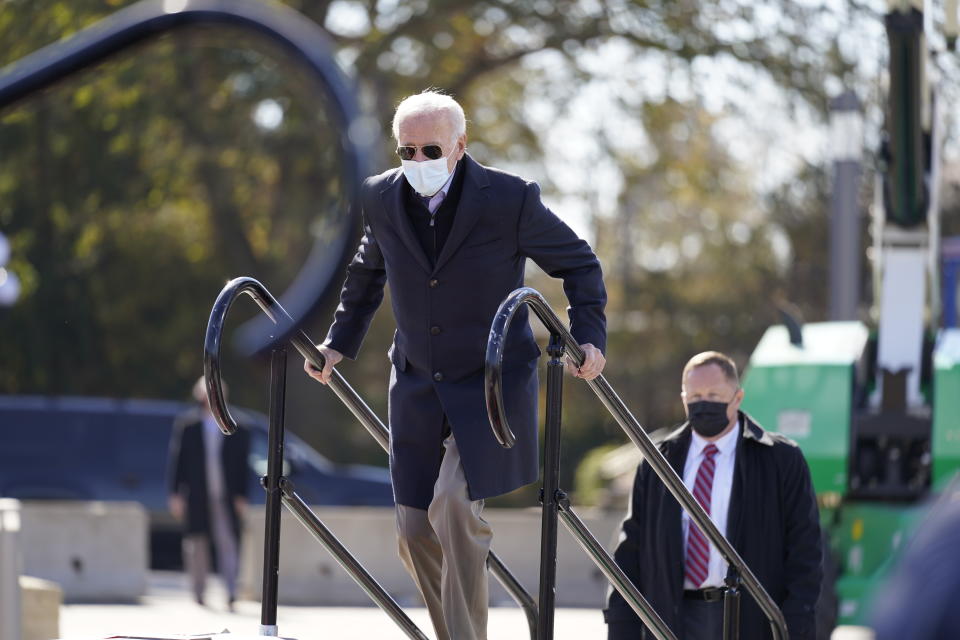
(443, 313)
(772, 522)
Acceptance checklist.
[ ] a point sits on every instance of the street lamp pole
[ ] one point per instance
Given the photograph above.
(846, 133)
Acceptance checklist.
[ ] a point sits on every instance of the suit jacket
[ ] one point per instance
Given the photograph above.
(188, 470)
(773, 524)
(443, 313)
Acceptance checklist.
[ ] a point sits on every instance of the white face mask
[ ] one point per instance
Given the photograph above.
(426, 177)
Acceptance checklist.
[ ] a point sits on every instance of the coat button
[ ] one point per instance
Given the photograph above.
(434, 331)
(438, 377)
(434, 283)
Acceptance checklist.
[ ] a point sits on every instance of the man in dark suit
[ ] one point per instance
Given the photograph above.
(208, 482)
(756, 487)
(452, 238)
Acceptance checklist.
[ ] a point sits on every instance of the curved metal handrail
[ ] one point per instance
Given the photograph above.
(493, 371)
(294, 32)
(493, 386)
(300, 341)
(361, 411)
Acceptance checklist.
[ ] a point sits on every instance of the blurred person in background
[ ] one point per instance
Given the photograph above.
(208, 486)
(452, 238)
(756, 487)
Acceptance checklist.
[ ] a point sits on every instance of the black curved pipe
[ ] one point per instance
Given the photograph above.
(493, 372)
(296, 337)
(493, 387)
(279, 488)
(302, 343)
(295, 33)
(214, 338)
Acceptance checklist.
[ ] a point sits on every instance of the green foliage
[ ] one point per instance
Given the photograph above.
(689, 265)
(133, 192)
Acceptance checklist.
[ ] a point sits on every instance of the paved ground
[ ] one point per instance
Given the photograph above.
(168, 609)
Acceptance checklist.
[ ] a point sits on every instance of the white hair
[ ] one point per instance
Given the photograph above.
(430, 101)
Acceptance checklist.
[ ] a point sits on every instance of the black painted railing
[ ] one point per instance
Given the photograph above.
(342, 389)
(556, 503)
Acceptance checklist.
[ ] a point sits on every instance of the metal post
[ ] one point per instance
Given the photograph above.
(10, 569)
(950, 254)
(731, 606)
(512, 586)
(613, 573)
(302, 343)
(493, 383)
(271, 483)
(846, 124)
(551, 487)
(307, 518)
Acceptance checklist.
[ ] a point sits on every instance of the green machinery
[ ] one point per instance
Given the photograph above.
(872, 468)
(876, 410)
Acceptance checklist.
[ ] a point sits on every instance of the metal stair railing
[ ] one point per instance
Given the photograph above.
(281, 487)
(555, 502)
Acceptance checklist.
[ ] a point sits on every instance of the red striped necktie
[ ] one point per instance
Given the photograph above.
(698, 549)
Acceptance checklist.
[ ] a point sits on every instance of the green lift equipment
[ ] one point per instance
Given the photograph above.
(875, 408)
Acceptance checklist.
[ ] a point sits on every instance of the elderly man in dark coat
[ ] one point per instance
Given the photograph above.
(451, 237)
(756, 487)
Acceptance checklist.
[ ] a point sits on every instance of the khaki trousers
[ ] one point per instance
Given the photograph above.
(445, 551)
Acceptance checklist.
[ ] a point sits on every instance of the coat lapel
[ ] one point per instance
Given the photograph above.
(396, 214)
(677, 458)
(473, 201)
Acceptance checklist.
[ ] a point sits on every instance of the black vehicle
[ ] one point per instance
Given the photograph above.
(81, 448)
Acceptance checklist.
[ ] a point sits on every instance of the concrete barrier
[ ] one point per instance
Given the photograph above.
(40, 612)
(309, 575)
(95, 551)
(10, 568)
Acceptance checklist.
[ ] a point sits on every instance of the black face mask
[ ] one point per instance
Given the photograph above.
(707, 418)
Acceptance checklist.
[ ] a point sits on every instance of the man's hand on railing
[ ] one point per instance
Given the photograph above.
(593, 363)
(331, 356)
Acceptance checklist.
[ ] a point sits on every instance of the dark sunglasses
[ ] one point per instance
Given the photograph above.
(432, 151)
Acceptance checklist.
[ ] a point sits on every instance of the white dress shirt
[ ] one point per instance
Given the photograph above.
(437, 198)
(719, 498)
